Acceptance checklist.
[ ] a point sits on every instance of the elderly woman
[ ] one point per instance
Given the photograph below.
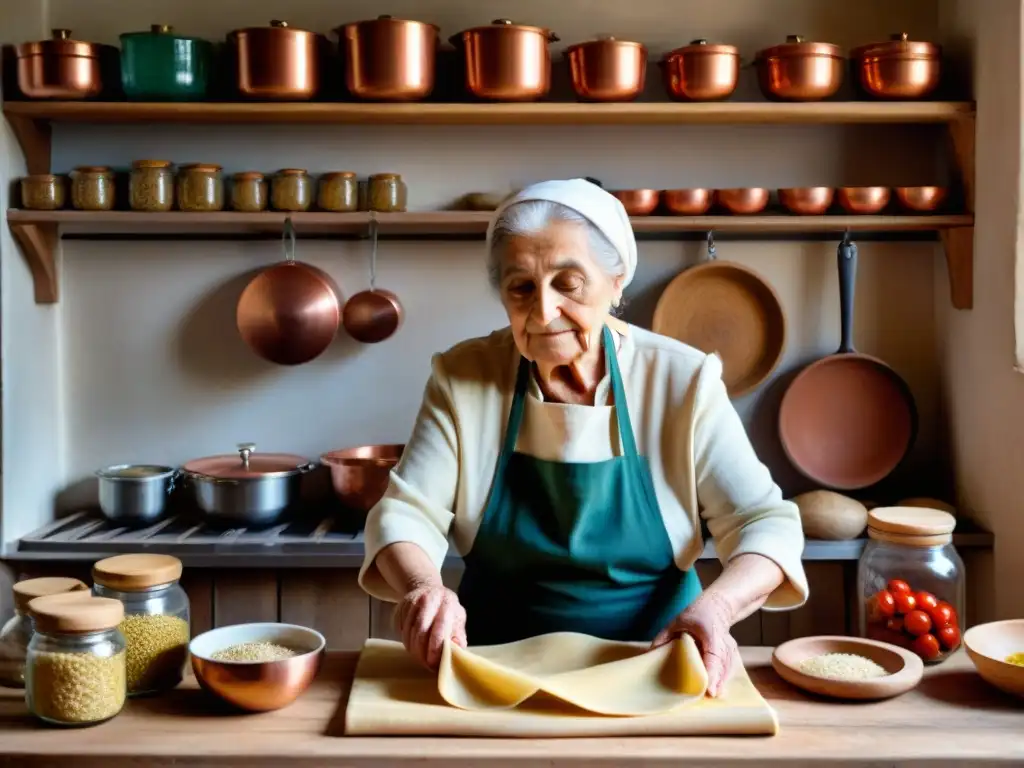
(571, 458)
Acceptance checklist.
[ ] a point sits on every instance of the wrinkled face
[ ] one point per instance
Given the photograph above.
(553, 290)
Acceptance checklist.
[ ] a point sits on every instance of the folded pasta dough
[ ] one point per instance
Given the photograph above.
(600, 676)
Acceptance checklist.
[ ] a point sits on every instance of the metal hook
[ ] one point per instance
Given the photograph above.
(711, 245)
(846, 236)
(373, 249)
(288, 238)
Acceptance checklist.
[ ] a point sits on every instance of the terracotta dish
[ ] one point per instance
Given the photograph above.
(988, 645)
(905, 668)
(638, 202)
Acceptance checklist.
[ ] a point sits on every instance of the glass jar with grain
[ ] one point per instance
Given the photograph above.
(43, 192)
(156, 617)
(75, 668)
(92, 188)
(151, 186)
(249, 192)
(911, 582)
(17, 632)
(338, 192)
(200, 188)
(291, 190)
(386, 192)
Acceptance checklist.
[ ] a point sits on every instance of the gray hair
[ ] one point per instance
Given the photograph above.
(533, 216)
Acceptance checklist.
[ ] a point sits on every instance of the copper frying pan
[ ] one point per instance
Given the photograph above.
(290, 312)
(373, 315)
(848, 420)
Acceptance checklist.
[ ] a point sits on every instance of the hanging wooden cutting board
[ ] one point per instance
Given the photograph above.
(726, 308)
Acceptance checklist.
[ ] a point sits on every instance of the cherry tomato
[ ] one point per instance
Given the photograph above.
(926, 646)
(917, 622)
(886, 603)
(943, 615)
(905, 602)
(895, 624)
(949, 637)
(898, 585)
(926, 601)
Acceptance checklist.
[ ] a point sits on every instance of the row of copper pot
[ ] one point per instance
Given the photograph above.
(389, 59)
(802, 201)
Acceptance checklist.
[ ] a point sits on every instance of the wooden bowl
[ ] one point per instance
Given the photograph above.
(905, 668)
(988, 645)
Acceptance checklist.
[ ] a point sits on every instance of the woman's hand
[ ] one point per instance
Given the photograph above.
(707, 620)
(427, 616)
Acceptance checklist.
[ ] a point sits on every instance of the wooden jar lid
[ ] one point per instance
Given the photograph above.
(130, 573)
(75, 613)
(911, 526)
(29, 589)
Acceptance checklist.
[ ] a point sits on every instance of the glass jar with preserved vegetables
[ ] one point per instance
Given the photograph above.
(151, 186)
(156, 617)
(200, 188)
(911, 581)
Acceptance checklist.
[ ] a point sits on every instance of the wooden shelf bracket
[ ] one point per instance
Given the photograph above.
(38, 243)
(34, 137)
(959, 245)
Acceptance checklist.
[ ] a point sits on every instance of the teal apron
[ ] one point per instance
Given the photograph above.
(572, 547)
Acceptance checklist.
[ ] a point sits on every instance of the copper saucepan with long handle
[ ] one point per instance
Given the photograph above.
(373, 315)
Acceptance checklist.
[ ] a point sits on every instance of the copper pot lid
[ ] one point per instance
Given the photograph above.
(247, 465)
(795, 45)
(508, 25)
(275, 25)
(702, 46)
(59, 44)
(900, 46)
(385, 19)
(606, 40)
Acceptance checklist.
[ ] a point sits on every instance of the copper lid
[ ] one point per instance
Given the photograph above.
(60, 44)
(383, 20)
(249, 175)
(151, 164)
(201, 167)
(292, 172)
(75, 613)
(899, 46)
(911, 526)
(29, 589)
(131, 573)
(506, 24)
(94, 169)
(701, 46)
(338, 175)
(275, 25)
(247, 465)
(607, 41)
(795, 45)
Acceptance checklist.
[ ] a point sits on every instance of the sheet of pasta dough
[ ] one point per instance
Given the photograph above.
(557, 685)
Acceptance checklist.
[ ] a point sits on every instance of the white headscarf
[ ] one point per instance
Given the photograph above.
(596, 205)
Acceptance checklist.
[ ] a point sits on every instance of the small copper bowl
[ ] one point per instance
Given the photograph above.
(257, 686)
(865, 200)
(743, 201)
(607, 69)
(800, 71)
(921, 199)
(360, 475)
(806, 201)
(701, 71)
(638, 202)
(899, 68)
(688, 202)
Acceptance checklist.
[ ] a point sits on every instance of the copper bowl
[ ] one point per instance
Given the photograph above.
(59, 68)
(688, 202)
(277, 62)
(743, 201)
(638, 202)
(389, 59)
(806, 201)
(360, 475)
(607, 69)
(899, 68)
(863, 200)
(921, 199)
(258, 686)
(506, 61)
(800, 71)
(701, 71)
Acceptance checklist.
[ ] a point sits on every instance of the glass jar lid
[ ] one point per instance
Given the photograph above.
(911, 526)
(133, 573)
(29, 589)
(292, 172)
(75, 613)
(339, 175)
(248, 176)
(151, 164)
(200, 167)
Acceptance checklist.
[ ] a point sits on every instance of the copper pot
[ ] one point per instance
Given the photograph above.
(607, 69)
(806, 201)
(863, 200)
(743, 201)
(277, 62)
(59, 68)
(360, 475)
(898, 68)
(688, 202)
(506, 61)
(800, 71)
(638, 202)
(921, 199)
(701, 71)
(389, 59)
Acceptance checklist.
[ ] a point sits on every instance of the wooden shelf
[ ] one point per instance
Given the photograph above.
(38, 231)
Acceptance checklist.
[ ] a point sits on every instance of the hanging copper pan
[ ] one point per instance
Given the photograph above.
(373, 315)
(289, 313)
(848, 420)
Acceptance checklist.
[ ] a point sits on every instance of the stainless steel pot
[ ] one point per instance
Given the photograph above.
(251, 490)
(135, 495)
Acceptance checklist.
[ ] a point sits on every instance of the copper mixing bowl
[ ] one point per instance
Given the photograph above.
(899, 68)
(701, 71)
(800, 71)
(921, 199)
(258, 686)
(638, 202)
(806, 201)
(743, 201)
(863, 200)
(688, 202)
(360, 475)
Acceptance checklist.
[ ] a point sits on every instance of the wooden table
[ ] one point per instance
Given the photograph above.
(953, 718)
